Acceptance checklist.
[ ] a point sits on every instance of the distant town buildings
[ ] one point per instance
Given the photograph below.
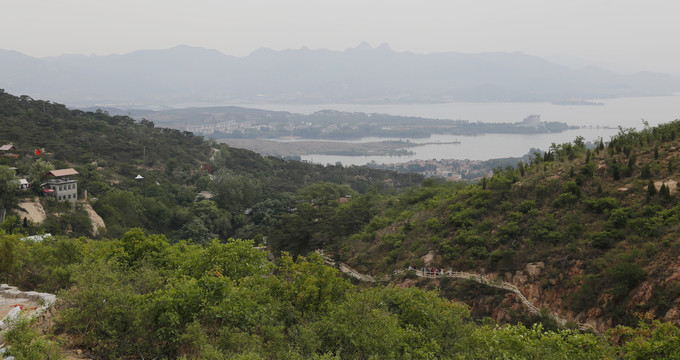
(450, 169)
(226, 127)
(532, 121)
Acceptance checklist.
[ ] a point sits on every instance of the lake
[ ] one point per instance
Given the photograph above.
(596, 121)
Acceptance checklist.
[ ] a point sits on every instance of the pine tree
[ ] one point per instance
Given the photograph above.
(651, 189)
(631, 161)
(656, 153)
(665, 192)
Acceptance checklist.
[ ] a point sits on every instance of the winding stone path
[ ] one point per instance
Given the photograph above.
(346, 269)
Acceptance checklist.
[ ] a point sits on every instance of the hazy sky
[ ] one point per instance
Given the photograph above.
(622, 35)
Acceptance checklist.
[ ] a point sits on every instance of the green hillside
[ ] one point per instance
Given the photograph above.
(592, 232)
(110, 151)
(582, 233)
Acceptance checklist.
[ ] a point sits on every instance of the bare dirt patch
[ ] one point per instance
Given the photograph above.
(672, 185)
(34, 210)
(97, 221)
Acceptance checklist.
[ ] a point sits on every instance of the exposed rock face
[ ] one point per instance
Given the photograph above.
(673, 314)
(551, 293)
(673, 271)
(534, 270)
(642, 293)
(427, 259)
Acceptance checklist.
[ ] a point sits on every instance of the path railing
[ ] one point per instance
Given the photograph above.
(496, 283)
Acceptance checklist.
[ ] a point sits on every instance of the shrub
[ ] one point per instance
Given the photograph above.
(25, 343)
(565, 200)
(601, 204)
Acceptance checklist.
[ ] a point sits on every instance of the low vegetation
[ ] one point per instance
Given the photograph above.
(140, 296)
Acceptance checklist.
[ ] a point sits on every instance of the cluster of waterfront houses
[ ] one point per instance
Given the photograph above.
(60, 184)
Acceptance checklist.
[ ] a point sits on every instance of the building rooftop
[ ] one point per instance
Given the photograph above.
(7, 147)
(62, 172)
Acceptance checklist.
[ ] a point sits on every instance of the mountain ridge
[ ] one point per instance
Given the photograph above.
(362, 74)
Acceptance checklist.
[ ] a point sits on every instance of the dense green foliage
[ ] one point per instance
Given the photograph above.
(143, 297)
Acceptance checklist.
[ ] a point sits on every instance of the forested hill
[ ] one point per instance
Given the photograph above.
(591, 234)
(110, 151)
(195, 294)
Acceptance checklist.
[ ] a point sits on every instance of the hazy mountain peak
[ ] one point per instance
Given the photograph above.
(363, 46)
(360, 74)
(262, 51)
(384, 47)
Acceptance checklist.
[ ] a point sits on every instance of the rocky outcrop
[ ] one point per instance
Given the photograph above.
(14, 295)
(535, 289)
(12, 292)
(493, 280)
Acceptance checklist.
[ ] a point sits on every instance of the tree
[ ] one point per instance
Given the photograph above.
(665, 192)
(616, 173)
(8, 188)
(235, 192)
(631, 161)
(651, 189)
(38, 170)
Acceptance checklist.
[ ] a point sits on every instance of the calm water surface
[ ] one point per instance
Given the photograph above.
(625, 112)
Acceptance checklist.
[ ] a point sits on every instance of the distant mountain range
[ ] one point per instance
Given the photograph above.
(186, 75)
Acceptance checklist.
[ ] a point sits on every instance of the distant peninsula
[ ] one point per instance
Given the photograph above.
(232, 122)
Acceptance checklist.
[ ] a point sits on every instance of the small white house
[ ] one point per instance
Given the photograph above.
(24, 184)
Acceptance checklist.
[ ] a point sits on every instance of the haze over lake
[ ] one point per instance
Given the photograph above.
(599, 121)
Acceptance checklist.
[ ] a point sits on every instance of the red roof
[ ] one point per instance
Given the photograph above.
(62, 172)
